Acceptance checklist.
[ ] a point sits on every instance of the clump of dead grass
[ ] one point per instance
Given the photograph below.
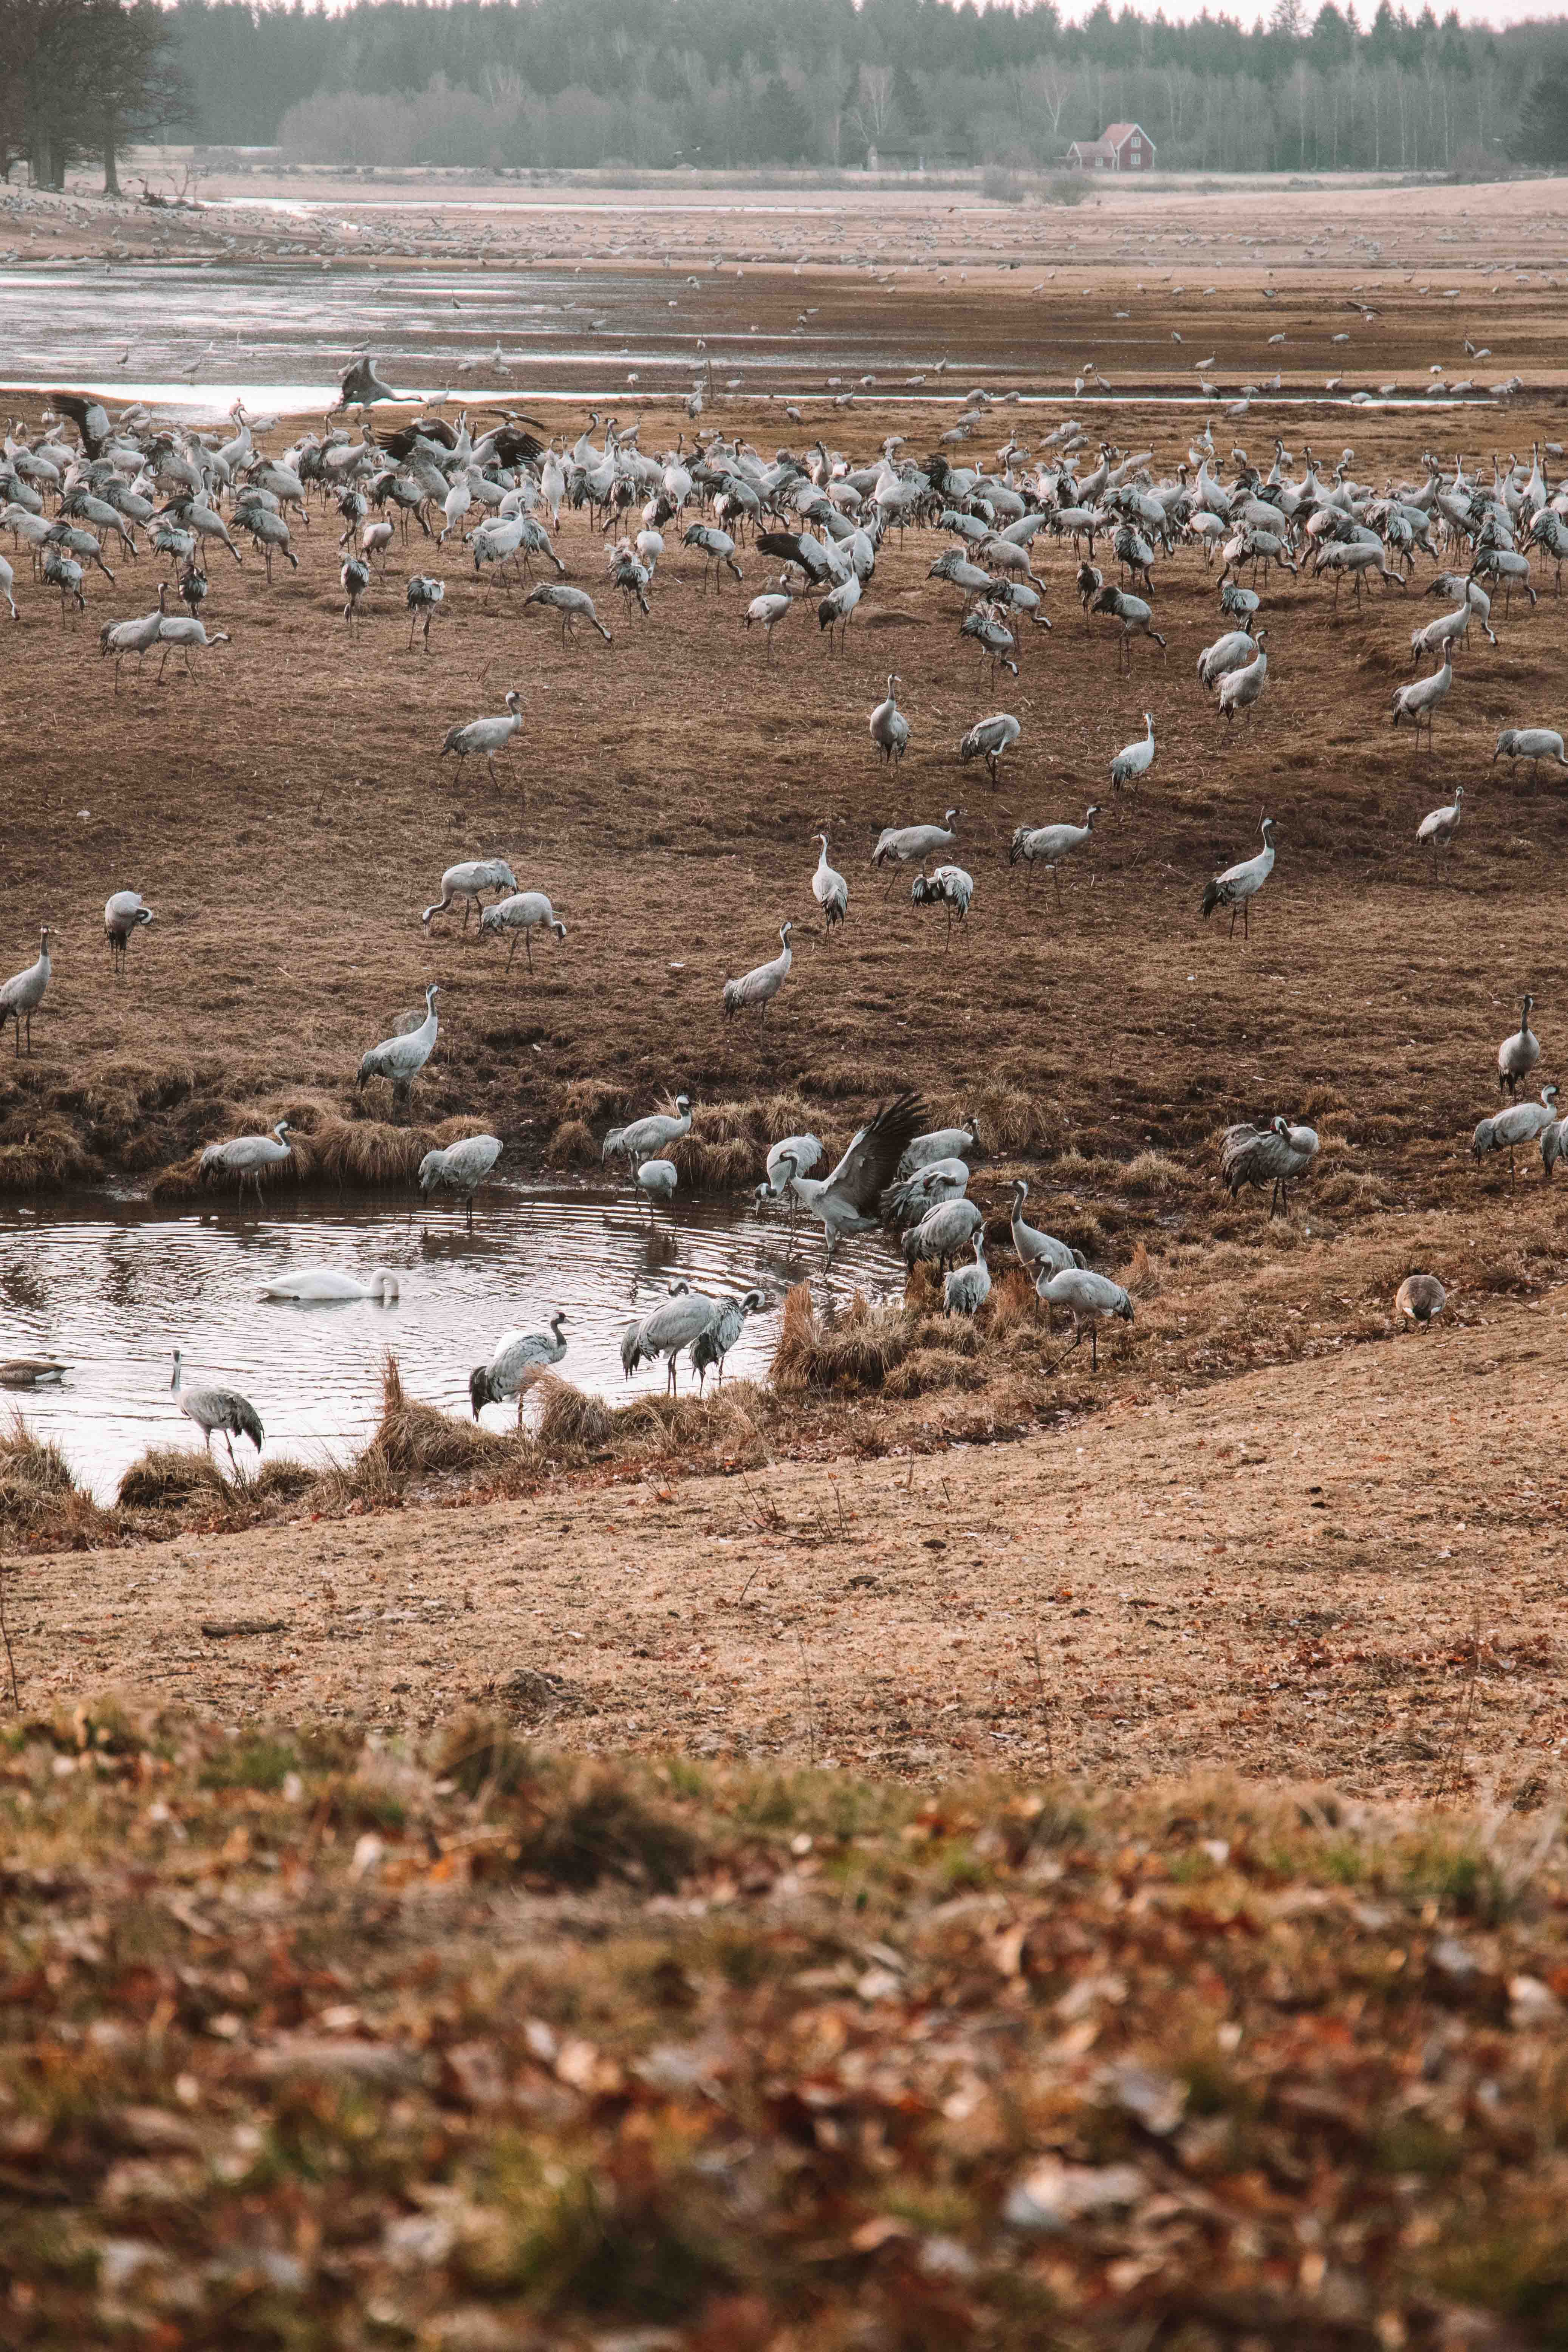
(1011, 1121)
(414, 1440)
(172, 1477)
(857, 1349)
(35, 1479)
(570, 1421)
(572, 1145)
(48, 1151)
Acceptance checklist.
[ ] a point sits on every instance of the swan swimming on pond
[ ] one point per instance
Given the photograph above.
(324, 1286)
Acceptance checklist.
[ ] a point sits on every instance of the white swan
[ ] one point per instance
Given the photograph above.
(323, 1284)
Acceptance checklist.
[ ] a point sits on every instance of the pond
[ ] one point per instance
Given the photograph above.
(112, 1286)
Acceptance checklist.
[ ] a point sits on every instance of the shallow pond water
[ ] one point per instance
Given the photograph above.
(197, 337)
(111, 1287)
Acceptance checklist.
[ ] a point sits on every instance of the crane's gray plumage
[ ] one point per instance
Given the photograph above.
(850, 1199)
(124, 913)
(1438, 827)
(468, 882)
(968, 1287)
(1275, 1155)
(1518, 1054)
(712, 1345)
(829, 888)
(673, 1324)
(1088, 1297)
(646, 1139)
(944, 1233)
(940, 1143)
(1239, 884)
(571, 603)
(525, 912)
(890, 727)
(248, 1157)
(400, 1059)
(1531, 743)
(939, 1179)
(224, 1410)
(518, 1356)
(657, 1180)
(763, 984)
(1048, 845)
(901, 844)
(990, 738)
(1037, 1249)
(461, 1167)
(951, 887)
(483, 737)
(1521, 1122)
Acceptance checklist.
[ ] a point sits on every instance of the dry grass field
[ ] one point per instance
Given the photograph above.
(370, 1974)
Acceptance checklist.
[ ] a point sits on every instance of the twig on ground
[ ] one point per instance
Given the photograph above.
(1046, 1704)
(6, 1637)
(810, 1707)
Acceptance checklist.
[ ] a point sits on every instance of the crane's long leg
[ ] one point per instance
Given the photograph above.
(513, 951)
(528, 943)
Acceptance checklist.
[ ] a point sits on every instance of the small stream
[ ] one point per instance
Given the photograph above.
(111, 1287)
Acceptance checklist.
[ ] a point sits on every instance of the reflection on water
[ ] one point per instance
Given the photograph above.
(198, 337)
(113, 1287)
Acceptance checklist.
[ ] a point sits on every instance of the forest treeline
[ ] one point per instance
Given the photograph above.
(729, 84)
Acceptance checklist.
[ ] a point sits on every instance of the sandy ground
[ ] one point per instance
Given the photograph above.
(1344, 1569)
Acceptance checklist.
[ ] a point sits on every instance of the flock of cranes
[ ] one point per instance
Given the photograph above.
(820, 521)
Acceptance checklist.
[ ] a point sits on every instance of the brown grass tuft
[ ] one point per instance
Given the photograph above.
(35, 1479)
(929, 1367)
(572, 1146)
(172, 1477)
(1010, 1121)
(571, 1422)
(48, 1151)
(854, 1350)
(1012, 1305)
(1154, 1172)
(417, 1440)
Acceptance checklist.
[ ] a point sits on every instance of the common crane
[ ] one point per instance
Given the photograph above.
(1037, 1249)
(951, 887)
(526, 911)
(425, 598)
(248, 1157)
(796, 1153)
(188, 634)
(468, 882)
(1438, 827)
(460, 1168)
(968, 1287)
(904, 845)
(123, 914)
(1049, 844)
(1519, 1054)
(712, 1345)
(990, 738)
(1238, 885)
(1531, 743)
(1275, 1155)
(646, 1139)
(1134, 760)
(400, 1059)
(657, 1180)
(1239, 688)
(675, 1323)
(769, 610)
(23, 993)
(571, 603)
(890, 727)
(224, 1410)
(516, 1359)
(944, 1233)
(850, 1199)
(137, 636)
(483, 737)
(829, 888)
(940, 1143)
(1089, 1297)
(1419, 702)
(1521, 1122)
(762, 983)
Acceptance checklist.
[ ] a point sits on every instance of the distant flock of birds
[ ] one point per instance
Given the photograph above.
(822, 521)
